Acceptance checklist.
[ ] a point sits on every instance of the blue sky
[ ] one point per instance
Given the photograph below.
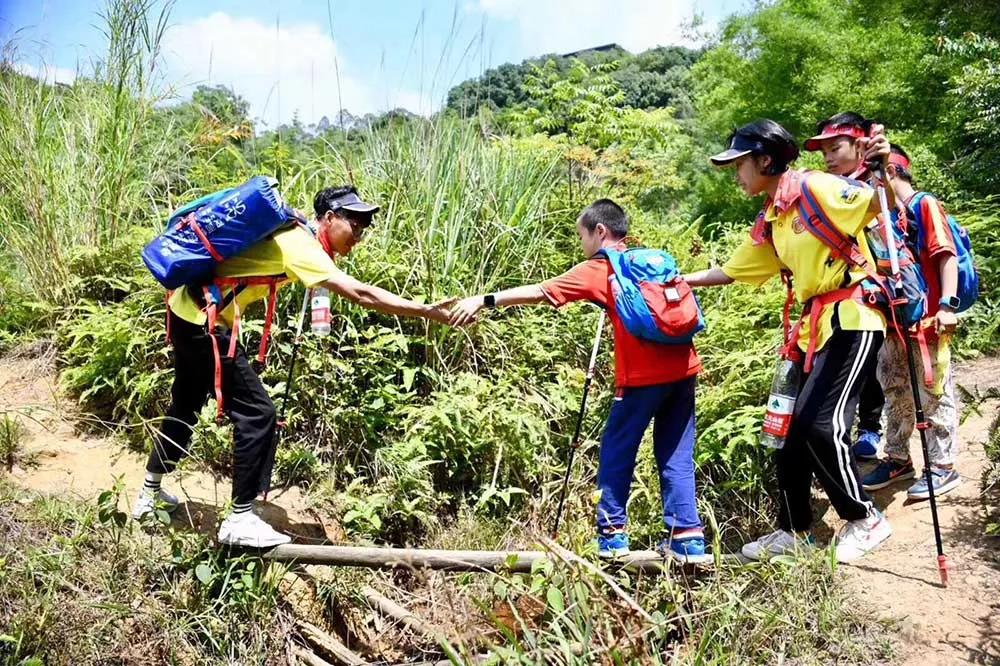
(284, 56)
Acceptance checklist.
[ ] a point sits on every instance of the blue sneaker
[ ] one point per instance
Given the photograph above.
(613, 544)
(686, 550)
(889, 471)
(866, 448)
(943, 480)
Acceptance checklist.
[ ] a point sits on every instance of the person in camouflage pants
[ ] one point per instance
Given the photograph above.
(936, 254)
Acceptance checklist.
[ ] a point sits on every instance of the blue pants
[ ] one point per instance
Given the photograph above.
(672, 405)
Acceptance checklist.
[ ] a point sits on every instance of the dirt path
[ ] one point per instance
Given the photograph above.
(61, 460)
(938, 626)
(957, 625)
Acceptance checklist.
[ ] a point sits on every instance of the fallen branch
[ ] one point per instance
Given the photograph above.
(411, 558)
(308, 658)
(390, 608)
(519, 561)
(329, 645)
(568, 557)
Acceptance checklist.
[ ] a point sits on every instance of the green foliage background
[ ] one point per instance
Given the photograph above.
(399, 426)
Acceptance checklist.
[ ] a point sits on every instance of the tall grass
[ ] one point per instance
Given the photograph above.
(460, 210)
(82, 162)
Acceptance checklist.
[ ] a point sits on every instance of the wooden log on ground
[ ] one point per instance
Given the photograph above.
(329, 645)
(391, 558)
(308, 658)
(397, 612)
(519, 561)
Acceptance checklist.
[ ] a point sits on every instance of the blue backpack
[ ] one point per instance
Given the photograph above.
(651, 299)
(968, 277)
(213, 228)
(876, 285)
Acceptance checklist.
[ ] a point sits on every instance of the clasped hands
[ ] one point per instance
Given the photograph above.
(457, 312)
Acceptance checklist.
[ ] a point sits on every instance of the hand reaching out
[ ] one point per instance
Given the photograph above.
(464, 312)
(442, 311)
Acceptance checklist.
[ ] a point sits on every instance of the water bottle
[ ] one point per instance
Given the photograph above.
(781, 404)
(321, 311)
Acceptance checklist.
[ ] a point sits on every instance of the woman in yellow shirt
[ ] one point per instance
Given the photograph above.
(841, 332)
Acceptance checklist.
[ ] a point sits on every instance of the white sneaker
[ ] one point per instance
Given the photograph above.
(247, 529)
(779, 542)
(862, 536)
(148, 502)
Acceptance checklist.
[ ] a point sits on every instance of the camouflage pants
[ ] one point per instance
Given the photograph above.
(938, 402)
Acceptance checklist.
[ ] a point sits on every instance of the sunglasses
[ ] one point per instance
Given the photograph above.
(359, 222)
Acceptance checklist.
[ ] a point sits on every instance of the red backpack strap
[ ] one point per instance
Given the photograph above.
(212, 311)
(786, 325)
(192, 221)
(819, 224)
(761, 230)
(925, 355)
(816, 306)
(272, 300)
(234, 334)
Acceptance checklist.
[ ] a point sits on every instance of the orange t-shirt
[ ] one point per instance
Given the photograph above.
(637, 362)
(937, 240)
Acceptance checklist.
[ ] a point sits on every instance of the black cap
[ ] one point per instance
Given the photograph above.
(353, 203)
(738, 147)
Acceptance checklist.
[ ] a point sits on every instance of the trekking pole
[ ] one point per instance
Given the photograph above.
(575, 442)
(922, 424)
(265, 482)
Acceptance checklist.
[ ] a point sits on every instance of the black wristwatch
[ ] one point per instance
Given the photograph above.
(490, 300)
(949, 303)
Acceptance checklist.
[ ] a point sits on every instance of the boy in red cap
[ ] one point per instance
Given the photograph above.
(841, 139)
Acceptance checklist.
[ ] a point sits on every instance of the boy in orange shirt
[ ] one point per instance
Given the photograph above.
(654, 381)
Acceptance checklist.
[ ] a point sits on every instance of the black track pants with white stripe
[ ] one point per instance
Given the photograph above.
(819, 441)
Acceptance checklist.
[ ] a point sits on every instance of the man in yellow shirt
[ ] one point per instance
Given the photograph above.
(841, 331)
(292, 254)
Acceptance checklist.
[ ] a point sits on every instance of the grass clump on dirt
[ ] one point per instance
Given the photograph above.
(82, 584)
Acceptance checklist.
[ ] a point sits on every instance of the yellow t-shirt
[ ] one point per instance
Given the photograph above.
(291, 253)
(814, 271)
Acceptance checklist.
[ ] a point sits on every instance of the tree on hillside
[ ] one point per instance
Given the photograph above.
(223, 103)
(652, 79)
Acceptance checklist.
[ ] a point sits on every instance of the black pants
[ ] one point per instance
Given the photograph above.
(871, 404)
(245, 401)
(819, 441)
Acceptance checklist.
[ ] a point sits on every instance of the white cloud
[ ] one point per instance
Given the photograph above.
(46, 73)
(279, 70)
(555, 26)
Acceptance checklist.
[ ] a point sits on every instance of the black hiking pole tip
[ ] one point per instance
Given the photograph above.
(575, 442)
(898, 300)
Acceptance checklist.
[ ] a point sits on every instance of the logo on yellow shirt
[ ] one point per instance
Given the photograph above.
(797, 225)
(849, 194)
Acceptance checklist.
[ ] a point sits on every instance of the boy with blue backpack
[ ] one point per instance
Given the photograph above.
(654, 315)
(942, 250)
(219, 255)
(840, 138)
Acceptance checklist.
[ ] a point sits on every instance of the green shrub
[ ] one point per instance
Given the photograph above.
(116, 357)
